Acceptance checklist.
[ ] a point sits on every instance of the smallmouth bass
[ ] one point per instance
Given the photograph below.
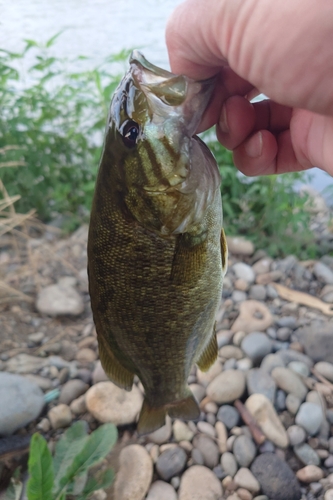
(157, 252)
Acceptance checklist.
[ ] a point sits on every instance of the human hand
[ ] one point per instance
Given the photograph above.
(283, 49)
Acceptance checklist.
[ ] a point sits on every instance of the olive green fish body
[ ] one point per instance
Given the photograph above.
(156, 248)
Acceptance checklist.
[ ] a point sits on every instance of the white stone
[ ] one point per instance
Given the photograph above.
(199, 483)
(134, 475)
(59, 300)
(227, 386)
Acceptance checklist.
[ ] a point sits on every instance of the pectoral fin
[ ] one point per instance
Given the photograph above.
(113, 368)
(224, 252)
(209, 355)
(189, 257)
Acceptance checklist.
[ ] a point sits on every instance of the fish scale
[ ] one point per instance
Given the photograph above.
(156, 257)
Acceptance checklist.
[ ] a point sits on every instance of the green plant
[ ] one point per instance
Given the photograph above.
(55, 119)
(267, 209)
(67, 473)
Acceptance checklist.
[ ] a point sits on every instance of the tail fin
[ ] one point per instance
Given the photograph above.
(151, 418)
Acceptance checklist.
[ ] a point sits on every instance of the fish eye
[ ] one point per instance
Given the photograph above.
(130, 133)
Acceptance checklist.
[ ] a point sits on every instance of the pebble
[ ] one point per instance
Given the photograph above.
(258, 292)
(204, 378)
(163, 434)
(231, 351)
(323, 273)
(265, 415)
(288, 355)
(60, 416)
(290, 382)
(244, 271)
(24, 363)
(229, 415)
(283, 333)
(99, 374)
(86, 355)
(59, 300)
(310, 417)
(306, 454)
(244, 450)
(227, 387)
(240, 246)
(21, 402)
(256, 346)
(245, 479)
(248, 320)
(325, 369)
(238, 296)
(199, 483)
(280, 400)
(329, 495)
(229, 464)
(72, 390)
(222, 436)
(244, 364)
(43, 383)
(317, 340)
(206, 428)
(78, 406)
(134, 474)
(293, 403)
(271, 361)
(259, 381)
(108, 403)
(296, 435)
(309, 474)
(285, 485)
(181, 431)
(208, 449)
(241, 284)
(198, 391)
(171, 462)
(160, 490)
(263, 265)
(197, 457)
(36, 338)
(299, 368)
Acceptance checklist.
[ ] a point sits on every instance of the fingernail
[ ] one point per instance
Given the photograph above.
(223, 122)
(253, 147)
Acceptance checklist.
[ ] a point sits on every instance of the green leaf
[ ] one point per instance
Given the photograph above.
(102, 480)
(67, 448)
(99, 444)
(40, 469)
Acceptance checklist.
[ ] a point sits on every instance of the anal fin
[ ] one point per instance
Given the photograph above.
(113, 368)
(209, 355)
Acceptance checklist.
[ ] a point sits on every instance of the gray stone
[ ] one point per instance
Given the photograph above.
(287, 322)
(208, 449)
(229, 415)
(259, 381)
(290, 355)
(283, 333)
(59, 300)
(199, 483)
(299, 368)
(197, 457)
(317, 340)
(244, 450)
(325, 369)
(238, 296)
(256, 346)
(244, 271)
(306, 454)
(24, 363)
(292, 403)
(43, 383)
(310, 417)
(134, 475)
(229, 464)
(72, 390)
(257, 292)
(276, 478)
(160, 490)
(296, 435)
(280, 400)
(323, 273)
(272, 361)
(21, 402)
(290, 382)
(171, 462)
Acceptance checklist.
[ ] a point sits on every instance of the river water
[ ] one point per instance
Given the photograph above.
(96, 28)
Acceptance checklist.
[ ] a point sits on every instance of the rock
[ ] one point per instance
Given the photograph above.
(271, 361)
(24, 363)
(283, 334)
(244, 450)
(240, 246)
(206, 428)
(21, 402)
(198, 391)
(197, 457)
(86, 355)
(163, 434)
(265, 415)
(289, 355)
(161, 491)
(171, 462)
(204, 378)
(108, 403)
(292, 403)
(257, 292)
(309, 474)
(310, 417)
(296, 435)
(59, 300)
(329, 495)
(229, 464)
(306, 454)
(325, 369)
(290, 382)
(266, 278)
(43, 383)
(262, 266)
(242, 285)
(36, 338)
(287, 322)
(238, 296)
(276, 478)
(260, 382)
(317, 340)
(134, 475)
(245, 479)
(222, 436)
(248, 320)
(72, 390)
(181, 431)
(280, 400)
(231, 351)
(99, 374)
(323, 273)
(78, 406)
(60, 416)
(227, 387)
(244, 271)
(199, 483)
(256, 346)
(208, 449)
(244, 364)
(299, 368)
(229, 415)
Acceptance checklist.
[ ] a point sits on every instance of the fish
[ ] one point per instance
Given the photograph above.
(157, 252)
